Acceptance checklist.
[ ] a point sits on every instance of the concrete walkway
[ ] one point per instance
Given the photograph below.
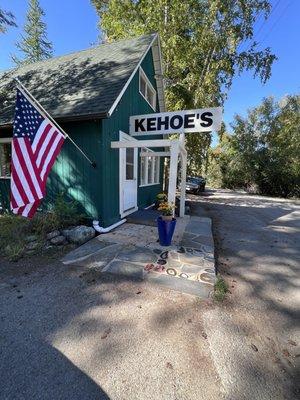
(133, 250)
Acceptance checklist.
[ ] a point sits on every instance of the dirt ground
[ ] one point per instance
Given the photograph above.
(72, 333)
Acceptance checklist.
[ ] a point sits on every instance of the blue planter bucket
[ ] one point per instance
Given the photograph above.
(165, 231)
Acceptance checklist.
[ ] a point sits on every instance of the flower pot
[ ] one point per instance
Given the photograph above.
(167, 217)
(165, 230)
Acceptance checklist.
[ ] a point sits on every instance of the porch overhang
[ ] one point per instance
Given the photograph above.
(177, 150)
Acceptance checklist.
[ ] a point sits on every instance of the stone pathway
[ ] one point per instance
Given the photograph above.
(134, 251)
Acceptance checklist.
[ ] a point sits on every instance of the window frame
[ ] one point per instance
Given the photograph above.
(3, 141)
(149, 86)
(155, 174)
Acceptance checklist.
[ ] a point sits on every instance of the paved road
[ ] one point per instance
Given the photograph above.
(258, 246)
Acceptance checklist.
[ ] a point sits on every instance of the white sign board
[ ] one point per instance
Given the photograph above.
(202, 120)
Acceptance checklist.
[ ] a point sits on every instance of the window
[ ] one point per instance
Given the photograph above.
(129, 163)
(5, 158)
(147, 90)
(149, 170)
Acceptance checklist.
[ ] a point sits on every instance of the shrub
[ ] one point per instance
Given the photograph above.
(221, 289)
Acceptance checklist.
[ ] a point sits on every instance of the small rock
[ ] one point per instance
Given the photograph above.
(53, 234)
(139, 292)
(19, 297)
(254, 347)
(106, 333)
(292, 343)
(286, 353)
(57, 240)
(204, 335)
(32, 245)
(79, 234)
(169, 365)
(31, 238)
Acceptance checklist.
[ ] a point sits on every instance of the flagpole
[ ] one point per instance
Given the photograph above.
(47, 115)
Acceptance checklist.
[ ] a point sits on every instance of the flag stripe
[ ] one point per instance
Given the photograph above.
(15, 196)
(36, 144)
(44, 128)
(42, 147)
(46, 151)
(51, 156)
(35, 170)
(18, 183)
(29, 174)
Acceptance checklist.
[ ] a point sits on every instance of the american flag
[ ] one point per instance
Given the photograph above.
(35, 146)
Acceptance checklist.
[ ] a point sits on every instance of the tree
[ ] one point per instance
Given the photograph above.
(263, 151)
(201, 44)
(34, 45)
(6, 19)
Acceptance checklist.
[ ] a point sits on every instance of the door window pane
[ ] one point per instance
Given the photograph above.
(150, 170)
(129, 163)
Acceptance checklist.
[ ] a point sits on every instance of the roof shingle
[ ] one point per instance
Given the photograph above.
(76, 85)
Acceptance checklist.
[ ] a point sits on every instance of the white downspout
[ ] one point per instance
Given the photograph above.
(100, 229)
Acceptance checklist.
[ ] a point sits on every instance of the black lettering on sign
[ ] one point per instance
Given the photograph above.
(189, 121)
(207, 121)
(151, 124)
(179, 123)
(139, 127)
(161, 123)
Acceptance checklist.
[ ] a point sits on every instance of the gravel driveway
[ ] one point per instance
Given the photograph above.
(256, 343)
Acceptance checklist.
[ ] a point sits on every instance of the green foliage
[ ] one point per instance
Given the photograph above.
(64, 213)
(221, 288)
(14, 229)
(202, 45)
(264, 150)
(34, 45)
(6, 19)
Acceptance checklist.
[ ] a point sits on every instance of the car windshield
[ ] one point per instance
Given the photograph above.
(194, 180)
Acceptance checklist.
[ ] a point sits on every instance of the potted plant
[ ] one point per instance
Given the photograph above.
(166, 223)
(160, 198)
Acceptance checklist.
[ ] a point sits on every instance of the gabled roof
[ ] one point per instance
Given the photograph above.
(82, 85)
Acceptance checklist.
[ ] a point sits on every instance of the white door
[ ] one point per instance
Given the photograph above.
(128, 178)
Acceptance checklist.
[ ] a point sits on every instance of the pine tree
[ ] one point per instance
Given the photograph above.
(34, 44)
(6, 19)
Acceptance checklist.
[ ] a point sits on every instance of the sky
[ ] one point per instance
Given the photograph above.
(72, 26)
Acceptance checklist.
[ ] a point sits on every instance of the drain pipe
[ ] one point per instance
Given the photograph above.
(100, 229)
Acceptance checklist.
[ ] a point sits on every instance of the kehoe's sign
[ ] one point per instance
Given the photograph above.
(203, 120)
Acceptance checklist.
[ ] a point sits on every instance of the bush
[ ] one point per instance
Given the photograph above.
(221, 289)
(14, 229)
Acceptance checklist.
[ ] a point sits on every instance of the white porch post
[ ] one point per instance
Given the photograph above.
(183, 156)
(182, 184)
(173, 171)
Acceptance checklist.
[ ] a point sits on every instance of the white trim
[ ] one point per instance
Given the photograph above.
(150, 184)
(116, 102)
(125, 137)
(155, 154)
(148, 83)
(130, 211)
(159, 72)
(142, 143)
(146, 161)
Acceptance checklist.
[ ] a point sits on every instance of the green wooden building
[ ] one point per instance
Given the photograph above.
(92, 94)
